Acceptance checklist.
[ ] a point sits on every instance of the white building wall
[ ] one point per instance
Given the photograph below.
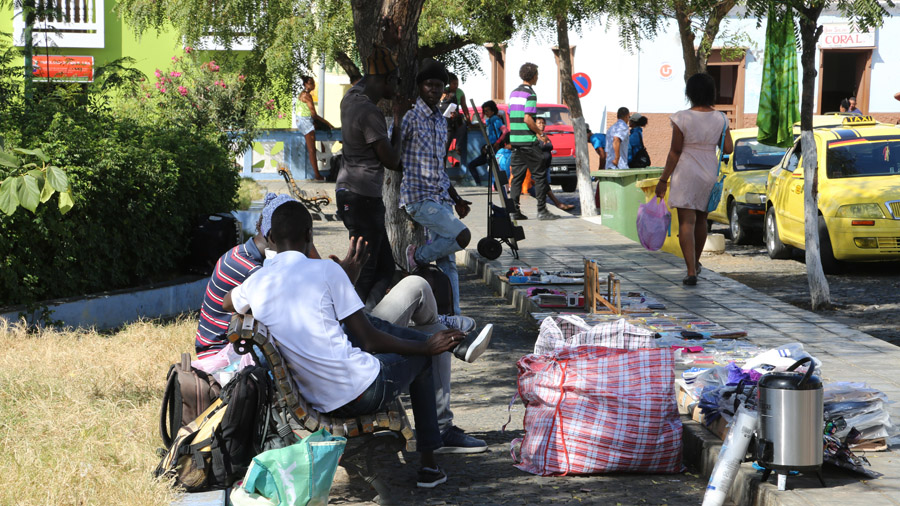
(886, 67)
(634, 80)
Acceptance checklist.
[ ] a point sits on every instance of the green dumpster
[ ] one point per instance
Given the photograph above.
(620, 197)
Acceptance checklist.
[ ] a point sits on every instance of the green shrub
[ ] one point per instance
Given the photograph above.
(138, 191)
(248, 191)
(141, 171)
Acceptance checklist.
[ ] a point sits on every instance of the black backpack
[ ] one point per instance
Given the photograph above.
(215, 450)
(440, 286)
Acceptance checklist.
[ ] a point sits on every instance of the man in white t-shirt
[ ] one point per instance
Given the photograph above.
(304, 302)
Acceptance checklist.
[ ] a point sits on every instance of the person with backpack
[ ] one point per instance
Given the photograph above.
(638, 158)
(336, 377)
(410, 300)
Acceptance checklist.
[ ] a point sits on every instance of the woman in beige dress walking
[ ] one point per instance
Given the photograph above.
(693, 165)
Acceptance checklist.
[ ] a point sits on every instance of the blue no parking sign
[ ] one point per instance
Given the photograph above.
(582, 84)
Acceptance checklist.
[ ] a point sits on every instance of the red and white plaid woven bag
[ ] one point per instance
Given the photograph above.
(591, 409)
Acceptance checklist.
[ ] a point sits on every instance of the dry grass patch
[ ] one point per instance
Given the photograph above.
(79, 413)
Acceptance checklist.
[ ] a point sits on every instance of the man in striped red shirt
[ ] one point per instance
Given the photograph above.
(231, 270)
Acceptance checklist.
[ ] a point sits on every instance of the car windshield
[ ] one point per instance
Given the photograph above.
(554, 115)
(863, 158)
(750, 154)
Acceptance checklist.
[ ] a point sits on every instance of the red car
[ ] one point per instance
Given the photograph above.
(561, 133)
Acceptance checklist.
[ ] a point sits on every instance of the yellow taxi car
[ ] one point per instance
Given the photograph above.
(859, 195)
(743, 203)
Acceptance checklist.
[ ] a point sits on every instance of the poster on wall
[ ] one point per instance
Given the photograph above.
(61, 68)
(666, 71)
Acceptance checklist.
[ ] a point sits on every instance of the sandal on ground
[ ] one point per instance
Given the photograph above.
(699, 268)
(689, 280)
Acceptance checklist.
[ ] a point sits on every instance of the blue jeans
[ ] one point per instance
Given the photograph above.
(443, 227)
(399, 373)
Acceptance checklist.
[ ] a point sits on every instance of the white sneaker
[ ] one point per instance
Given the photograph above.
(472, 348)
(462, 323)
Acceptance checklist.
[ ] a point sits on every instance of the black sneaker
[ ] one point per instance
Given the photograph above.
(474, 345)
(519, 216)
(546, 216)
(430, 478)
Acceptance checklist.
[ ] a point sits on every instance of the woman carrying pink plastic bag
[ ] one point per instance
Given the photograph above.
(653, 222)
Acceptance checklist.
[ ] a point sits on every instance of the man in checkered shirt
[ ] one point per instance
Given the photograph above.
(426, 192)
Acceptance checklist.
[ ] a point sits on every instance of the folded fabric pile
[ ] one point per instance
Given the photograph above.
(856, 406)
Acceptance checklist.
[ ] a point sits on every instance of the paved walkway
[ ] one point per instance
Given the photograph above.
(847, 354)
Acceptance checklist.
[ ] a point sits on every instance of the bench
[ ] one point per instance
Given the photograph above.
(249, 335)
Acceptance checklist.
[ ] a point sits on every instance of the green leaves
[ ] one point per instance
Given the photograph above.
(35, 186)
(29, 192)
(57, 178)
(8, 160)
(33, 152)
(65, 202)
(9, 199)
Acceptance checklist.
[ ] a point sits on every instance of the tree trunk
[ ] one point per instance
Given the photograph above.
(686, 32)
(695, 58)
(368, 18)
(28, 15)
(711, 30)
(819, 292)
(570, 97)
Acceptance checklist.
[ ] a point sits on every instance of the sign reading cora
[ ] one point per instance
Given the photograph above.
(843, 35)
(75, 69)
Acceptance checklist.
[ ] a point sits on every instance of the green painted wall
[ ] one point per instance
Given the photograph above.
(151, 51)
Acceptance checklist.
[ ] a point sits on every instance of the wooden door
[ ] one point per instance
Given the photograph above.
(729, 75)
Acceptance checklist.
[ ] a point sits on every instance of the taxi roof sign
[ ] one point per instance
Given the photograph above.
(859, 121)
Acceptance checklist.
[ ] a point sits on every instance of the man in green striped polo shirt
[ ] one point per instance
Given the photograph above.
(524, 135)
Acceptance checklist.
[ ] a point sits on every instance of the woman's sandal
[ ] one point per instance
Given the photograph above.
(689, 280)
(699, 268)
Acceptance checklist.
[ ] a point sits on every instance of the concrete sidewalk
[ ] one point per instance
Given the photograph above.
(846, 354)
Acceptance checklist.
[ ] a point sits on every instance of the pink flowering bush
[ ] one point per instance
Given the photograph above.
(208, 97)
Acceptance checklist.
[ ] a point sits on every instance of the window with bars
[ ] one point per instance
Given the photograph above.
(64, 23)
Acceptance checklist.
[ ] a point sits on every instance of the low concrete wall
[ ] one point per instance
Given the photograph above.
(114, 309)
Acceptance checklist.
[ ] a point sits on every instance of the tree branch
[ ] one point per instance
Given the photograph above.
(452, 44)
(711, 29)
(348, 65)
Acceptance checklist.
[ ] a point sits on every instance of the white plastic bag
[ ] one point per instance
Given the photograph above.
(653, 222)
(780, 358)
(224, 365)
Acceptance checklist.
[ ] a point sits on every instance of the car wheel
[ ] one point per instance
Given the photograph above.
(569, 186)
(829, 264)
(774, 246)
(739, 235)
